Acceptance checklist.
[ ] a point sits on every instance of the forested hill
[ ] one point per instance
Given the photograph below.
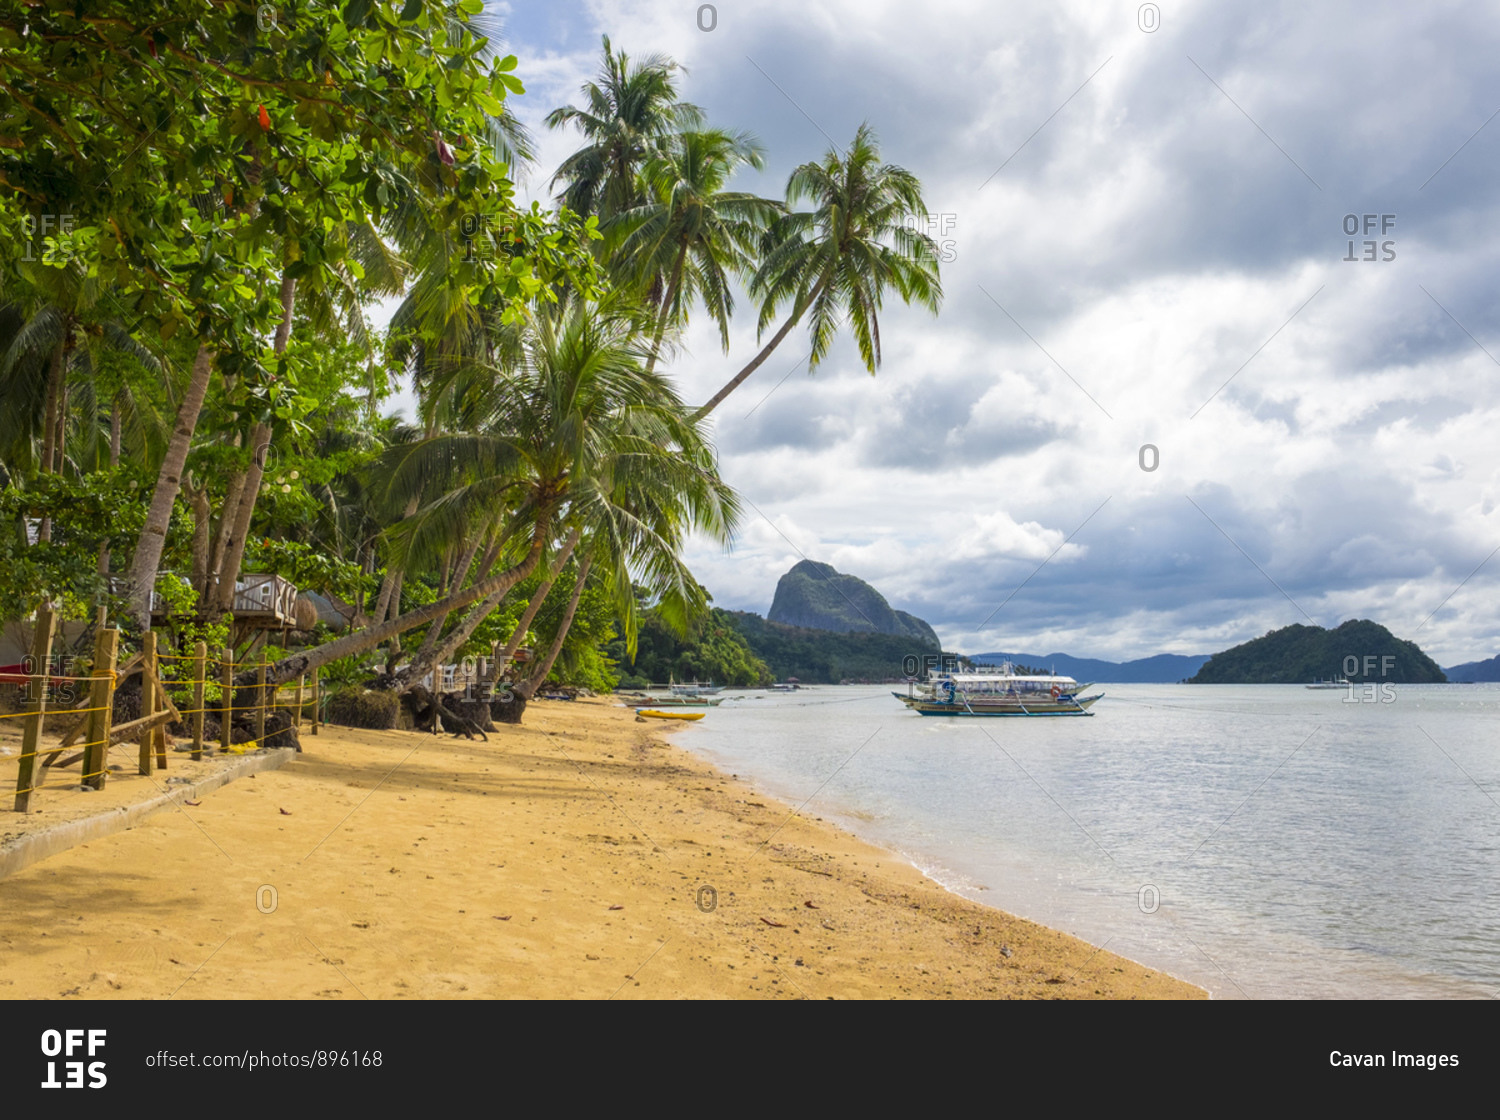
(743, 649)
(817, 597)
(820, 657)
(1359, 649)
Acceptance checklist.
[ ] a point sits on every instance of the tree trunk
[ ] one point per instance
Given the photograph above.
(49, 419)
(529, 686)
(153, 538)
(202, 521)
(518, 635)
(114, 431)
(666, 306)
(260, 447)
(390, 586)
(364, 640)
(235, 525)
(62, 424)
(755, 364)
(434, 632)
(435, 652)
(232, 491)
(114, 461)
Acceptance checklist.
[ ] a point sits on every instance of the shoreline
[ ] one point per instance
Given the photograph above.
(914, 860)
(582, 854)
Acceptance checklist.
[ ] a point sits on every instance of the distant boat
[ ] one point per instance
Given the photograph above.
(676, 702)
(695, 690)
(1337, 682)
(1002, 693)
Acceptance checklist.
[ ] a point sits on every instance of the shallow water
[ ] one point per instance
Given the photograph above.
(1262, 841)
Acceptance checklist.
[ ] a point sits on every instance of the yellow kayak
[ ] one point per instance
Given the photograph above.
(654, 714)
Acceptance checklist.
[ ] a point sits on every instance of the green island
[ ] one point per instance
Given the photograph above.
(1358, 650)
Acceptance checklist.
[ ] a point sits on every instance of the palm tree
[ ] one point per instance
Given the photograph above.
(654, 481)
(631, 110)
(690, 233)
(53, 342)
(578, 433)
(839, 258)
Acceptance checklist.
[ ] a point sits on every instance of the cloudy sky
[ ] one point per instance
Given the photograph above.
(1144, 211)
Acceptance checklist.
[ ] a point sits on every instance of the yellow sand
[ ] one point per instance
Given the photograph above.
(568, 857)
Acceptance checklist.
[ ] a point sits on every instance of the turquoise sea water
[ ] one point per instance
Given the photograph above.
(1262, 841)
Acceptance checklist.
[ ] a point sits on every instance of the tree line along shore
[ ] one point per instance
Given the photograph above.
(201, 212)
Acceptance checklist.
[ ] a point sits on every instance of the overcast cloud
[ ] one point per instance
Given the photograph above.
(1163, 214)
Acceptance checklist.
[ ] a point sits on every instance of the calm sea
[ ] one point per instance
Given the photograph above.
(1262, 841)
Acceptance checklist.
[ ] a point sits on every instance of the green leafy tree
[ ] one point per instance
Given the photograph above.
(207, 162)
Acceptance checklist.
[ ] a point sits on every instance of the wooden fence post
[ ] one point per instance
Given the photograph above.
(102, 701)
(159, 732)
(260, 706)
(31, 737)
(317, 695)
(148, 696)
(297, 715)
(200, 673)
(227, 715)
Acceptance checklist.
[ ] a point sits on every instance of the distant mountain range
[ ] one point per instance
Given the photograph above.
(1164, 668)
(1471, 671)
(815, 596)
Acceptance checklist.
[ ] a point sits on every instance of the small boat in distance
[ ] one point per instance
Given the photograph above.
(675, 702)
(653, 714)
(1337, 682)
(1000, 693)
(695, 690)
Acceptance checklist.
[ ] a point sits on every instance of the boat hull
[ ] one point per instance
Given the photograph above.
(1048, 707)
(676, 702)
(650, 714)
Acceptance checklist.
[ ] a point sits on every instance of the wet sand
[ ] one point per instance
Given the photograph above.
(581, 855)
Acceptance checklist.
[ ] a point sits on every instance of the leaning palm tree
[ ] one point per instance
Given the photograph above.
(839, 258)
(631, 110)
(574, 430)
(690, 235)
(636, 493)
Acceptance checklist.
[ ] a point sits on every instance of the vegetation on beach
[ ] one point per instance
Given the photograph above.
(199, 209)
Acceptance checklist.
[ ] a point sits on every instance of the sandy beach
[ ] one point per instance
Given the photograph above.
(582, 855)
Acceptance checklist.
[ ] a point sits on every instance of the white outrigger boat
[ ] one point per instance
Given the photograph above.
(695, 691)
(1000, 693)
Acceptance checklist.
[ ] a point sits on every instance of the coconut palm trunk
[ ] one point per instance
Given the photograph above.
(387, 589)
(153, 538)
(666, 307)
(528, 687)
(56, 384)
(228, 571)
(114, 461)
(439, 652)
(435, 631)
(362, 641)
(755, 363)
(528, 616)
